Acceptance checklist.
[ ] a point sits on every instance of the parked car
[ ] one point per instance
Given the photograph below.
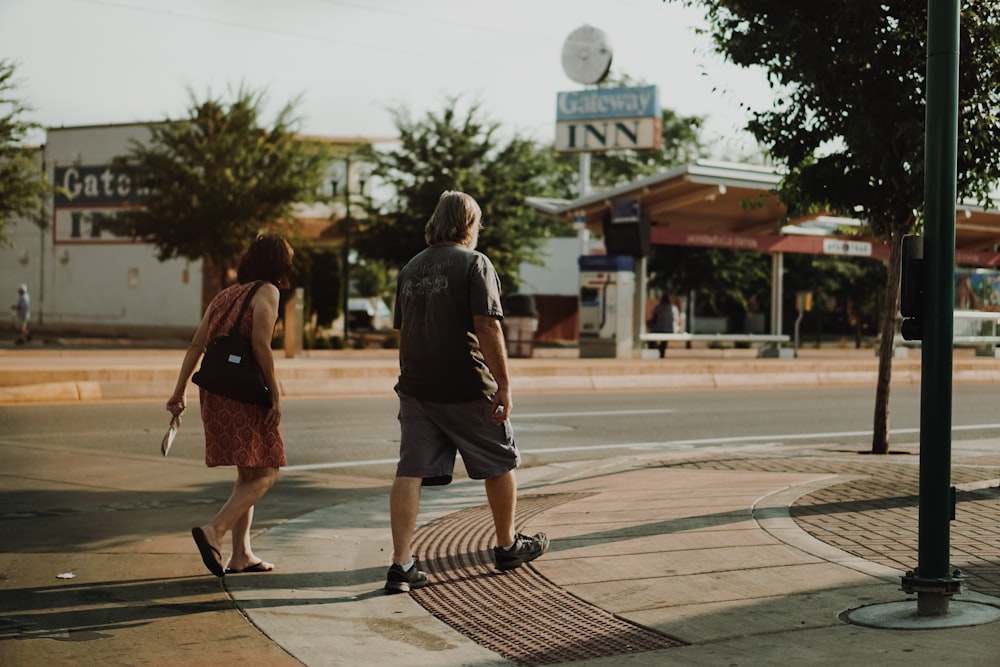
(368, 313)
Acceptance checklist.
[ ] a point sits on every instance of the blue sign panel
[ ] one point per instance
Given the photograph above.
(608, 103)
(605, 263)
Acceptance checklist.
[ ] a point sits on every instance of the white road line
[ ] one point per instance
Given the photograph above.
(592, 413)
(341, 464)
(668, 444)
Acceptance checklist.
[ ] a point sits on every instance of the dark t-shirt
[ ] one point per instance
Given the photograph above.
(437, 294)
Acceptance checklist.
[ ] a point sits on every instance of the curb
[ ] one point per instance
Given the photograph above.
(150, 375)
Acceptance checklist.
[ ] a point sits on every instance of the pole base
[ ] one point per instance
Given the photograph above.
(907, 616)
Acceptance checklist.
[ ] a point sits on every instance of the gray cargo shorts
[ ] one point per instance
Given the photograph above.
(432, 433)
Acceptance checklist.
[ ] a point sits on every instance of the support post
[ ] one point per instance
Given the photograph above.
(777, 274)
(639, 303)
(932, 581)
(294, 323)
(346, 260)
(584, 174)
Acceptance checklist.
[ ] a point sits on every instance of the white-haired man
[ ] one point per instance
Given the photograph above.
(454, 392)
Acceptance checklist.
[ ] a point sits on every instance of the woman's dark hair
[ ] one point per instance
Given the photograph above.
(268, 258)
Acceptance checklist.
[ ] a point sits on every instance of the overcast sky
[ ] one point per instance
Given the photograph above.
(93, 62)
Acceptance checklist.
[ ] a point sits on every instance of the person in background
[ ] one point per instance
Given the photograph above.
(454, 392)
(240, 434)
(666, 318)
(21, 313)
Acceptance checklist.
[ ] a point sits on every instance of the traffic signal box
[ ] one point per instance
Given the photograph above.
(911, 291)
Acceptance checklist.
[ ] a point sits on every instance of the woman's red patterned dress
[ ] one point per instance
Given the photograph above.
(234, 431)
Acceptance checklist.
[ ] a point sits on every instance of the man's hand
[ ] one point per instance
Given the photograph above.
(494, 350)
(501, 406)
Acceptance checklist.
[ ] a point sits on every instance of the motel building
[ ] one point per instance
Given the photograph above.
(84, 279)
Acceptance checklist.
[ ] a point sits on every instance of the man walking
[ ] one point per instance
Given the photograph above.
(454, 392)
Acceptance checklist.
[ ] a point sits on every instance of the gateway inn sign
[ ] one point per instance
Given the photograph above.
(603, 119)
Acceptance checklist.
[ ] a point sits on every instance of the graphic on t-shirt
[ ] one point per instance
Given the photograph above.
(431, 279)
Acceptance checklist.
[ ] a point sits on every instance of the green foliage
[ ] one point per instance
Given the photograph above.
(218, 178)
(318, 270)
(849, 116)
(724, 281)
(456, 150)
(372, 278)
(22, 181)
(855, 283)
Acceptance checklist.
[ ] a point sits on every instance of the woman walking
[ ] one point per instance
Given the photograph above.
(240, 434)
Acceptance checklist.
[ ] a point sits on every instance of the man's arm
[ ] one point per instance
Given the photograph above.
(494, 348)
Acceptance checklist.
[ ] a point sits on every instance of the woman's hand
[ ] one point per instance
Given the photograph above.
(176, 404)
(273, 417)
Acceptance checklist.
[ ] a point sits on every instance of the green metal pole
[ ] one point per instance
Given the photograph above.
(940, 169)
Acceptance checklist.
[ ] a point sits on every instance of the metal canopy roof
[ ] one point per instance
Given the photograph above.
(712, 197)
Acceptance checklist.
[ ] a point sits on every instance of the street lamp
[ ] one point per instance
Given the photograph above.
(343, 169)
(342, 174)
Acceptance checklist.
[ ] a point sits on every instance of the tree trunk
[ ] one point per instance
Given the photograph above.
(890, 309)
(213, 279)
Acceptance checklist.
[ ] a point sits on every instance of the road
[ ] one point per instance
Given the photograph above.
(84, 493)
(360, 435)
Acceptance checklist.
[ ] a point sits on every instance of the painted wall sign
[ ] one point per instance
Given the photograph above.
(94, 185)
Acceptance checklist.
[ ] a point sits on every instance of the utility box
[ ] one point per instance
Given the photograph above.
(607, 295)
(520, 323)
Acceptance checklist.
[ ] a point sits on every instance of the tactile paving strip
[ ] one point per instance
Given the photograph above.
(519, 614)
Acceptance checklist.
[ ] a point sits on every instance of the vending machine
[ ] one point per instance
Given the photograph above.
(607, 295)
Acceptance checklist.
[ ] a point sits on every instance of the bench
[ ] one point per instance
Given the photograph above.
(964, 322)
(985, 344)
(770, 343)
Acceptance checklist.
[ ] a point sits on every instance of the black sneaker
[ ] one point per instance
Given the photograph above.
(525, 549)
(399, 581)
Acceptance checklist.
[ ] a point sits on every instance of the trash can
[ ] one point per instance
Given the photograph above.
(520, 323)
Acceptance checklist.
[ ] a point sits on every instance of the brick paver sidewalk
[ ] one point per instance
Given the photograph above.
(873, 515)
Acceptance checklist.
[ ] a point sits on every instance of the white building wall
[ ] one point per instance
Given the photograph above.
(20, 262)
(79, 278)
(560, 274)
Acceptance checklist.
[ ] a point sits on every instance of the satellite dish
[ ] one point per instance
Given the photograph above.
(586, 55)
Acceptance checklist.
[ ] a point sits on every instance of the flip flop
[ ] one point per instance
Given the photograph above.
(209, 554)
(256, 567)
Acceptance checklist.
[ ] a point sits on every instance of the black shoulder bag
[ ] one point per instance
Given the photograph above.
(229, 368)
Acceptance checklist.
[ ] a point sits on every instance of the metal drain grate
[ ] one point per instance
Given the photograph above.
(519, 614)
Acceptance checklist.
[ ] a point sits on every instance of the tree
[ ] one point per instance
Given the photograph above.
(456, 150)
(848, 119)
(22, 181)
(214, 181)
(318, 269)
(853, 283)
(724, 282)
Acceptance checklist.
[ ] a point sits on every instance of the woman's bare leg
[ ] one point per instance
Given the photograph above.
(237, 514)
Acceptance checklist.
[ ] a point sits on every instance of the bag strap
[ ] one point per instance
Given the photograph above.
(246, 302)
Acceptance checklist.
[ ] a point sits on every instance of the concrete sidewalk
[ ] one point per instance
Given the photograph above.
(749, 558)
(55, 374)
